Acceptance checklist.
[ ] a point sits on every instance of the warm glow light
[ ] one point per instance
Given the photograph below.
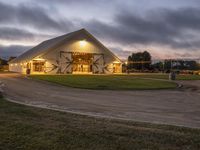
(116, 62)
(15, 64)
(83, 43)
(38, 59)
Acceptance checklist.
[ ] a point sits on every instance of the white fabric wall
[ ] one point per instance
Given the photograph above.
(53, 56)
(54, 61)
(17, 67)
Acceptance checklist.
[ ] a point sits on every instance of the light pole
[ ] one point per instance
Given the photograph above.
(163, 66)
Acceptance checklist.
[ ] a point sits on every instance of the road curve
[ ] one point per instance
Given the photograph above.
(176, 107)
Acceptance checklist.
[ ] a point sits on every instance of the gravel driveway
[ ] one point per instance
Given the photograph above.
(175, 107)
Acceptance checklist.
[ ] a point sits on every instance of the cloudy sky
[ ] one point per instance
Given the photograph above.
(166, 28)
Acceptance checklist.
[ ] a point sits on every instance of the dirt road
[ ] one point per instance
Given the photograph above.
(175, 107)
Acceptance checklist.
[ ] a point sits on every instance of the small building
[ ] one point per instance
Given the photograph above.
(75, 52)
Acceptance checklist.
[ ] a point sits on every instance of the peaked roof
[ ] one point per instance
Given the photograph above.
(43, 47)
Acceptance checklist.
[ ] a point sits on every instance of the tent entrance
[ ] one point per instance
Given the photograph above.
(116, 67)
(82, 62)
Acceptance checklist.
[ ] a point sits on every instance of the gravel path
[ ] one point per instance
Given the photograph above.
(175, 107)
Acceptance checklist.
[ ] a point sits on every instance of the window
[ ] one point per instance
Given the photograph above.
(38, 66)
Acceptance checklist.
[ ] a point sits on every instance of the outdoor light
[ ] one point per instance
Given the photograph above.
(116, 62)
(83, 43)
(38, 59)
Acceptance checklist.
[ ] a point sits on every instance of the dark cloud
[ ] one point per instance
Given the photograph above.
(68, 1)
(11, 34)
(14, 34)
(184, 18)
(82, 2)
(14, 50)
(178, 28)
(32, 16)
(174, 28)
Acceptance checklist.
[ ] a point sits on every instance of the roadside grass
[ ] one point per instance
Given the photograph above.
(166, 76)
(107, 82)
(29, 128)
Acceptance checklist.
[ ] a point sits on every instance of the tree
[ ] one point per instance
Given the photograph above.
(146, 58)
(192, 65)
(181, 64)
(159, 66)
(3, 62)
(11, 58)
(139, 60)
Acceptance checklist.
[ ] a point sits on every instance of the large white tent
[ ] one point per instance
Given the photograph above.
(75, 52)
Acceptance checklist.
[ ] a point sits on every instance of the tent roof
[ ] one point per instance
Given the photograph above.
(43, 47)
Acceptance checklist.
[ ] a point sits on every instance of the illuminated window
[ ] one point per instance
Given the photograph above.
(38, 66)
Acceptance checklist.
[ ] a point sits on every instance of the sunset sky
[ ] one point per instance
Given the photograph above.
(166, 28)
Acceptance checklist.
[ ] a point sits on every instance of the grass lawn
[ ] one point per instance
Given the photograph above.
(28, 128)
(110, 82)
(166, 76)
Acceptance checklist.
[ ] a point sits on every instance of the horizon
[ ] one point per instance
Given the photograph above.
(167, 29)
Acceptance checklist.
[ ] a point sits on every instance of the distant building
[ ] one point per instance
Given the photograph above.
(76, 52)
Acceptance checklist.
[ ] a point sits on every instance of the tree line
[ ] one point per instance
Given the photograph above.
(142, 61)
(176, 65)
(139, 61)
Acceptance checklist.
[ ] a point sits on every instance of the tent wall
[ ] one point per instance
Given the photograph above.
(17, 67)
(58, 59)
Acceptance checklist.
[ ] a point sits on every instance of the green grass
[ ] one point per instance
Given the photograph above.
(166, 76)
(28, 128)
(109, 82)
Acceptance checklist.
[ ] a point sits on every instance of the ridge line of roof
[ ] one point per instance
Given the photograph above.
(103, 45)
(45, 46)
